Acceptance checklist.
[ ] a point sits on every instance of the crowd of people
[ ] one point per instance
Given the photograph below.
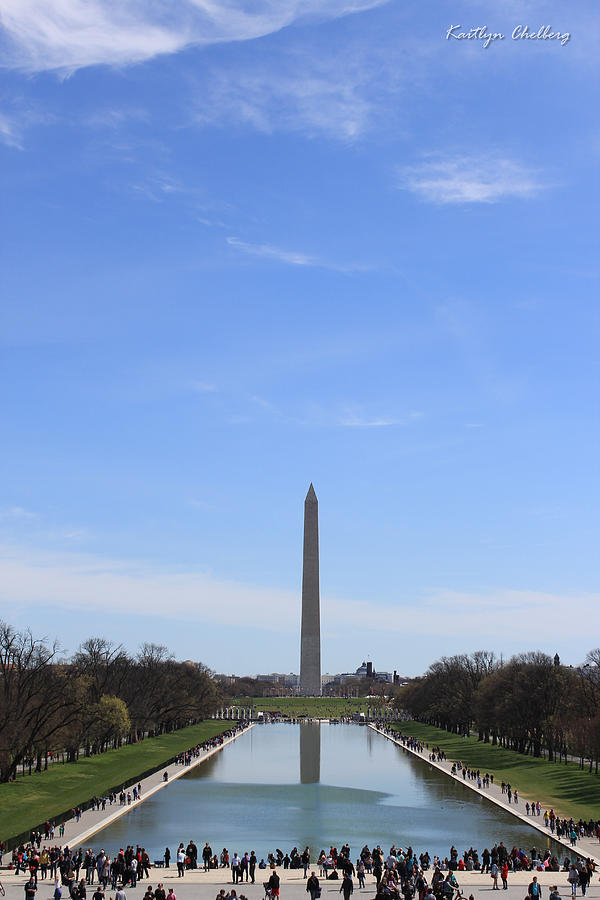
(399, 875)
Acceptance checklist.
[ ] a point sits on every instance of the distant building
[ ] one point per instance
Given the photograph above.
(366, 670)
(290, 680)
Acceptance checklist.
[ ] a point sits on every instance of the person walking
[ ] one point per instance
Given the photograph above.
(313, 887)
(347, 886)
(252, 866)
(360, 872)
(534, 891)
(584, 878)
(305, 859)
(573, 878)
(235, 868)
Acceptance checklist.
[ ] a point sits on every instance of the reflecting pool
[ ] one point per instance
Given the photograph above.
(283, 785)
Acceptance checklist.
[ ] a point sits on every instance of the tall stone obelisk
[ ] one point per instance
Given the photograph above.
(310, 642)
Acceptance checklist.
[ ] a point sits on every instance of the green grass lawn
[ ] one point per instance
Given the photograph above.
(323, 707)
(32, 799)
(567, 789)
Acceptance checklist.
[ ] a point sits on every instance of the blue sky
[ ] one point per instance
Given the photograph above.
(249, 246)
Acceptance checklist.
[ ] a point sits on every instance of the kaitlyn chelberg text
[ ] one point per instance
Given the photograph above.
(519, 33)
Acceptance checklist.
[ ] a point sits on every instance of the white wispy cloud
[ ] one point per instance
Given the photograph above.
(471, 179)
(292, 257)
(10, 131)
(358, 421)
(355, 417)
(466, 615)
(74, 581)
(17, 512)
(157, 187)
(335, 94)
(115, 117)
(203, 387)
(69, 34)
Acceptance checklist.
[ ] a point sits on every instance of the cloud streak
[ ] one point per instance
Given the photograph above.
(66, 35)
(292, 257)
(10, 132)
(357, 421)
(77, 581)
(17, 512)
(470, 179)
(71, 581)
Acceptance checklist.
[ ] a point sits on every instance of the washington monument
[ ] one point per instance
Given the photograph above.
(310, 642)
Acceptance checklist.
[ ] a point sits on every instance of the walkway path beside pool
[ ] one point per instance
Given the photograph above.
(585, 846)
(93, 820)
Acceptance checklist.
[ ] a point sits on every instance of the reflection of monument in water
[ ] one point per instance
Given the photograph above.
(310, 752)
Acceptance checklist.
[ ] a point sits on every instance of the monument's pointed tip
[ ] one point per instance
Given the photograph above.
(311, 496)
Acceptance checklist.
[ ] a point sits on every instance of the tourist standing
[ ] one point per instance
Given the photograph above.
(252, 865)
(504, 875)
(534, 891)
(30, 889)
(273, 884)
(167, 857)
(235, 868)
(313, 887)
(494, 874)
(180, 861)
